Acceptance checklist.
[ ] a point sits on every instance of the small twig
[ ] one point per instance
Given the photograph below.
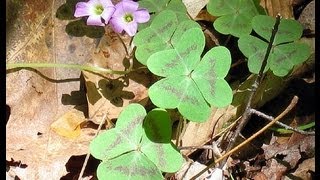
(181, 126)
(280, 116)
(196, 147)
(227, 40)
(88, 154)
(270, 118)
(227, 128)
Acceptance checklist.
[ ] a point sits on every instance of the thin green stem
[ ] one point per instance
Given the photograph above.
(94, 69)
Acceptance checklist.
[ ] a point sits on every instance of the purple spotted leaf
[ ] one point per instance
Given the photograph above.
(191, 85)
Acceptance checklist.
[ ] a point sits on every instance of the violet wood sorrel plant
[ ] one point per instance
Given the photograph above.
(171, 46)
(125, 15)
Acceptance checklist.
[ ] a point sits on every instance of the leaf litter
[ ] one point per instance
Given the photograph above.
(39, 148)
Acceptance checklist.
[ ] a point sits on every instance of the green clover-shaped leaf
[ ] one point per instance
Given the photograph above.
(158, 36)
(191, 85)
(133, 166)
(136, 145)
(286, 51)
(288, 30)
(156, 6)
(235, 16)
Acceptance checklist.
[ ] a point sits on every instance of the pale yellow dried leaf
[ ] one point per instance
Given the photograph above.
(68, 125)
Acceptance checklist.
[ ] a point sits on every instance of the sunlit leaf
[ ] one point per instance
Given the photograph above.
(137, 147)
(159, 35)
(235, 16)
(190, 84)
(123, 138)
(132, 166)
(209, 76)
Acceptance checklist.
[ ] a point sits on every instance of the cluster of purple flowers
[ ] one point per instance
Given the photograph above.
(125, 15)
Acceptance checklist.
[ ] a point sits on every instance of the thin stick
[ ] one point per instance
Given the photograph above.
(247, 114)
(196, 147)
(88, 154)
(286, 111)
(270, 118)
(179, 131)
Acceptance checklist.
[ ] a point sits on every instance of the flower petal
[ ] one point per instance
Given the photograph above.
(82, 9)
(94, 2)
(95, 20)
(141, 16)
(117, 24)
(131, 28)
(107, 13)
(106, 3)
(127, 6)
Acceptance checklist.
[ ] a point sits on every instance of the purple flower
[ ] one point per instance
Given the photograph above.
(96, 10)
(127, 16)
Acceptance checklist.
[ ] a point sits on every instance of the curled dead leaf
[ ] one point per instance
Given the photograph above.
(68, 125)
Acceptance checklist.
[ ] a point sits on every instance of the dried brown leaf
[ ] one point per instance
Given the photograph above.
(203, 15)
(303, 170)
(274, 7)
(260, 176)
(274, 170)
(35, 35)
(68, 125)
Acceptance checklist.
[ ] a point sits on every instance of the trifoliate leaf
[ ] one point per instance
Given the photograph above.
(185, 84)
(285, 52)
(135, 148)
(130, 166)
(235, 16)
(158, 36)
